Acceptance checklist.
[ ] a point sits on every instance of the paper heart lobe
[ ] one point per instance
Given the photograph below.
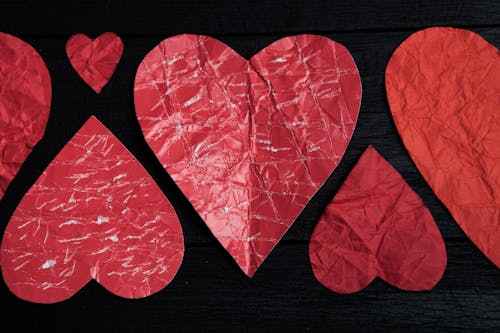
(25, 97)
(95, 60)
(443, 88)
(94, 213)
(376, 226)
(248, 142)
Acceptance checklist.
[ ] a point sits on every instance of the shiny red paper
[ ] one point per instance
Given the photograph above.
(248, 142)
(443, 87)
(94, 213)
(95, 60)
(25, 96)
(376, 226)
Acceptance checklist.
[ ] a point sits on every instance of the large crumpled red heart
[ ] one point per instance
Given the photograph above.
(25, 95)
(443, 87)
(94, 213)
(95, 60)
(248, 141)
(376, 226)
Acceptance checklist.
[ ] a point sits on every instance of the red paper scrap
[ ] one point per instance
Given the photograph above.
(95, 60)
(376, 226)
(25, 96)
(443, 87)
(94, 213)
(248, 142)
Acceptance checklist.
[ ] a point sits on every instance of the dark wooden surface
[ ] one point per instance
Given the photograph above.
(210, 292)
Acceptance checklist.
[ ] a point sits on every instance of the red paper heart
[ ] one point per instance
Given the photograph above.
(443, 87)
(376, 226)
(249, 142)
(94, 213)
(95, 60)
(25, 95)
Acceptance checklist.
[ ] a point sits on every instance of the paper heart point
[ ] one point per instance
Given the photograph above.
(95, 60)
(376, 226)
(25, 96)
(443, 87)
(248, 142)
(94, 213)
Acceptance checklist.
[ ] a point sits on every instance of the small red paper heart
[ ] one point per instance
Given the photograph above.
(376, 226)
(94, 213)
(25, 95)
(95, 60)
(443, 87)
(249, 142)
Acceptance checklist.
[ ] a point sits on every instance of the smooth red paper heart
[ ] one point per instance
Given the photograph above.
(94, 213)
(248, 142)
(376, 226)
(443, 87)
(25, 95)
(95, 60)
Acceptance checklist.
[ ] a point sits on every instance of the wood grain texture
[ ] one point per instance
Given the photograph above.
(210, 292)
(138, 17)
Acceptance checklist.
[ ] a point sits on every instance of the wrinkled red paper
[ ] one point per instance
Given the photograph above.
(94, 213)
(443, 87)
(376, 226)
(95, 60)
(25, 95)
(248, 142)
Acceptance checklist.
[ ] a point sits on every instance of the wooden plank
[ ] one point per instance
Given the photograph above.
(74, 102)
(238, 17)
(210, 293)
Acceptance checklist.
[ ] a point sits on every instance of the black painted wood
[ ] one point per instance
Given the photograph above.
(139, 17)
(210, 292)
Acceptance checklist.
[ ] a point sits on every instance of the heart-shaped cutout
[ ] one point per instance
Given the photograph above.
(95, 60)
(443, 87)
(25, 96)
(376, 226)
(248, 142)
(94, 213)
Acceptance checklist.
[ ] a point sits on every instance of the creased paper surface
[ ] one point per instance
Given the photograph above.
(25, 95)
(443, 87)
(248, 141)
(95, 60)
(376, 226)
(94, 213)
